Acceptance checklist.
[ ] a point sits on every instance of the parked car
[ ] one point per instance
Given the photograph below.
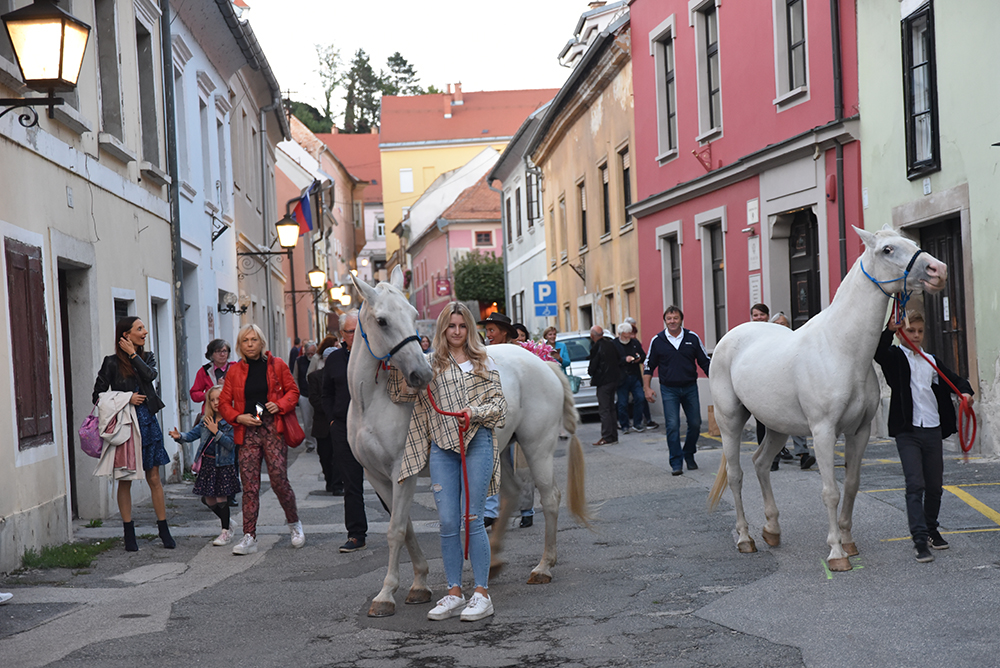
(578, 345)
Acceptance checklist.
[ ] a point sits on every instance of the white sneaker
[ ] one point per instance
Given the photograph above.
(479, 607)
(298, 536)
(246, 546)
(449, 606)
(223, 538)
(5, 597)
(638, 430)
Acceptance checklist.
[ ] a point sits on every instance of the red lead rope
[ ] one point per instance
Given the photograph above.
(966, 416)
(463, 426)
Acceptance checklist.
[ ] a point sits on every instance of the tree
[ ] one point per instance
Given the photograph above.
(310, 116)
(363, 98)
(329, 74)
(479, 277)
(401, 79)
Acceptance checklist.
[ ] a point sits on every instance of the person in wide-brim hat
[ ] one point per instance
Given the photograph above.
(502, 324)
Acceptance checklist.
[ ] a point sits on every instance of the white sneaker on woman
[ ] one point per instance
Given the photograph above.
(449, 606)
(479, 607)
(246, 546)
(224, 538)
(5, 597)
(298, 536)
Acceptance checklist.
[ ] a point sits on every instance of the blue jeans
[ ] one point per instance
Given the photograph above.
(630, 385)
(446, 483)
(675, 398)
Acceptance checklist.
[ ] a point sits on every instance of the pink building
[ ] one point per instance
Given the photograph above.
(747, 159)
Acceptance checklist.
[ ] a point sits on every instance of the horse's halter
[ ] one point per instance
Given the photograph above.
(901, 297)
(385, 358)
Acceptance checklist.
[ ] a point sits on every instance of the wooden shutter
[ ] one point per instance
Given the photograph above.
(29, 343)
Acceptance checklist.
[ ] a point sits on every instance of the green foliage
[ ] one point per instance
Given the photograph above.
(479, 277)
(310, 116)
(401, 79)
(433, 90)
(330, 75)
(67, 555)
(95, 523)
(364, 96)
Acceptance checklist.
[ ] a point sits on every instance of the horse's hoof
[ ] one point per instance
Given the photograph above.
(418, 596)
(746, 547)
(382, 609)
(495, 569)
(539, 578)
(772, 539)
(851, 549)
(839, 565)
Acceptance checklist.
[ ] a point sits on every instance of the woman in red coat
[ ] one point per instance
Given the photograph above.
(258, 392)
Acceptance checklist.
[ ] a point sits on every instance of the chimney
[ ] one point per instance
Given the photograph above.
(446, 102)
(458, 93)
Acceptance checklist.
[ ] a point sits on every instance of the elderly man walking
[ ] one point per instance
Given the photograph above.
(605, 374)
(674, 353)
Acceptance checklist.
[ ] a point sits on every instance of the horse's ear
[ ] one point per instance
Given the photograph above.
(887, 228)
(367, 291)
(396, 279)
(866, 236)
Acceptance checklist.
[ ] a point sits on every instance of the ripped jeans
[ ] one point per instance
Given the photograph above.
(446, 483)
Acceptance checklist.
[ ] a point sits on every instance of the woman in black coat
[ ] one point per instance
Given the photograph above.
(132, 369)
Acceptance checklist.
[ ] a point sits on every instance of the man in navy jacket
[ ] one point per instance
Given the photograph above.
(674, 352)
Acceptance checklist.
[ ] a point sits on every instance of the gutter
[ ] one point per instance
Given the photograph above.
(838, 114)
(503, 237)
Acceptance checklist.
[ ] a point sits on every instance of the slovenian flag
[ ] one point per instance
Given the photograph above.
(302, 213)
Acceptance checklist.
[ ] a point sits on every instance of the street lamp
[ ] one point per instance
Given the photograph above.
(317, 278)
(48, 44)
(288, 232)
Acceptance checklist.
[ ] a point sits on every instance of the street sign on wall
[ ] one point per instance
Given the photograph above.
(545, 299)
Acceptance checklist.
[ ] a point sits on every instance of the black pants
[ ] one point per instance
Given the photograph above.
(331, 472)
(607, 408)
(921, 454)
(353, 475)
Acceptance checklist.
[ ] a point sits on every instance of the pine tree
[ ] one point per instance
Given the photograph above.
(402, 78)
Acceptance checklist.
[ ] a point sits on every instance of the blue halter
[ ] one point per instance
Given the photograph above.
(385, 358)
(903, 296)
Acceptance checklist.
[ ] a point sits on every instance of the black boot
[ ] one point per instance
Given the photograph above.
(222, 512)
(130, 544)
(168, 540)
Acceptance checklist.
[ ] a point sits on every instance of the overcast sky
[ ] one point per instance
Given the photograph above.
(485, 45)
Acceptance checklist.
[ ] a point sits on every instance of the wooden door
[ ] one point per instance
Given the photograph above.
(803, 267)
(945, 328)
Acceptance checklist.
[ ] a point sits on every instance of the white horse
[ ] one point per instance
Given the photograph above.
(539, 401)
(819, 380)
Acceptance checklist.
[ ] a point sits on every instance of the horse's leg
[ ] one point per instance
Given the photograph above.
(384, 605)
(508, 497)
(731, 416)
(824, 437)
(771, 446)
(419, 591)
(854, 450)
(539, 454)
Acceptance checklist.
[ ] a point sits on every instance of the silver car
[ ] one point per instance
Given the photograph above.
(578, 345)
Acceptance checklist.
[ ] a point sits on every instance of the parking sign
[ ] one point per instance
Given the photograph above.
(545, 299)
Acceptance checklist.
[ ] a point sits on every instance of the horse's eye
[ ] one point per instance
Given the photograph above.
(382, 322)
(887, 250)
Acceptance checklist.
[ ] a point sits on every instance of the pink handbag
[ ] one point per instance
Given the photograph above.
(90, 437)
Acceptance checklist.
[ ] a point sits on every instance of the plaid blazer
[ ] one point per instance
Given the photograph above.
(453, 390)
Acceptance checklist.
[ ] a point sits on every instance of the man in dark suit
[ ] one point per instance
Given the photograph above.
(605, 375)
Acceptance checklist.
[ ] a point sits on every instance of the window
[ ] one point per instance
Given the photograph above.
(107, 61)
(582, 199)
(714, 232)
(705, 19)
(712, 71)
(629, 303)
(920, 94)
(380, 227)
(147, 95)
(183, 140)
(563, 230)
(220, 136)
(661, 47)
(605, 199)
(406, 180)
(626, 163)
(534, 204)
(670, 259)
(610, 317)
(517, 306)
(796, 35)
(29, 343)
(206, 152)
(484, 239)
(517, 209)
(510, 229)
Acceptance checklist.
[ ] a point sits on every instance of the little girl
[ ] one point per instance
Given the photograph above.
(217, 478)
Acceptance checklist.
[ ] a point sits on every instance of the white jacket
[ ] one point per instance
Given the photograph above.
(115, 407)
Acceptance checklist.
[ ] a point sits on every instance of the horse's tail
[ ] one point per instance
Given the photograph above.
(576, 498)
(721, 480)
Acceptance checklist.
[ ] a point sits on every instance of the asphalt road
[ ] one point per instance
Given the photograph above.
(658, 582)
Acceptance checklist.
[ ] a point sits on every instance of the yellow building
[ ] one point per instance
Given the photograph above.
(424, 136)
(583, 146)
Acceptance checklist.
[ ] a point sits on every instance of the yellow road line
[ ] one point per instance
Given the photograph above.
(889, 540)
(993, 515)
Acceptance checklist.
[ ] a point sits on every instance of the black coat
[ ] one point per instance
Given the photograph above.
(336, 394)
(110, 378)
(321, 423)
(604, 367)
(896, 370)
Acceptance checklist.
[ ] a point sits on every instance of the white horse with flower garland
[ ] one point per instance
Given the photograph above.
(818, 380)
(539, 402)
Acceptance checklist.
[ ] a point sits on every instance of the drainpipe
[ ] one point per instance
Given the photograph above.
(169, 113)
(838, 114)
(503, 245)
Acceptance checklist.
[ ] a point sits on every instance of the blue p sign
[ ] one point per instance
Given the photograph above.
(545, 292)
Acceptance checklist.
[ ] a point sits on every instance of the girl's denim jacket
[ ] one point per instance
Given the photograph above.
(225, 446)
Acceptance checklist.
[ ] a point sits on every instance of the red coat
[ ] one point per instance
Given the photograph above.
(204, 381)
(281, 389)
